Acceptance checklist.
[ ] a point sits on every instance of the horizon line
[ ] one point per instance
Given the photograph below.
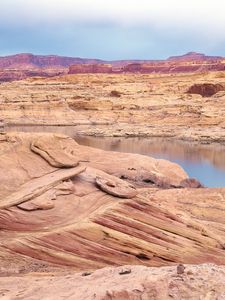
(112, 60)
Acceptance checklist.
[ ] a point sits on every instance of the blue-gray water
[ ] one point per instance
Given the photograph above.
(204, 162)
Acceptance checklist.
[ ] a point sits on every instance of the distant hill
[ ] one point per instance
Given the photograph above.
(192, 56)
(27, 60)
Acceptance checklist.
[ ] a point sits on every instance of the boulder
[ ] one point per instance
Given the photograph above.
(206, 89)
(116, 187)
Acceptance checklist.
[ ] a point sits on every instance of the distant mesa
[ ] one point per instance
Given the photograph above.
(21, 66)
(190, 62)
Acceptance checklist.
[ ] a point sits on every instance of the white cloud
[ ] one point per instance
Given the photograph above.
(202, 16)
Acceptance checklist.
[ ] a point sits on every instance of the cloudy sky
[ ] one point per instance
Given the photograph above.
(112, 29)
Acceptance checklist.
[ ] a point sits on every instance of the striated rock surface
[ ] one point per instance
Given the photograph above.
(128, 282)
(105, 209)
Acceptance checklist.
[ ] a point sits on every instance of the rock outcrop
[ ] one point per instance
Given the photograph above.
(66, 205)
(128, 282)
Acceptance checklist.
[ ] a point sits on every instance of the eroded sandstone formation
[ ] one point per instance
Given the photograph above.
(65, 205)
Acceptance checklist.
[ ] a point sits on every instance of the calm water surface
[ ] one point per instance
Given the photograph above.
(204, 162)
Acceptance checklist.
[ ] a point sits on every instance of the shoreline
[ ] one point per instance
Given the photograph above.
(102, 131)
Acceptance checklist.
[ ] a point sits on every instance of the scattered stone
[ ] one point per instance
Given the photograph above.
(125, 271)
(115, 94)
(180, 269)
(86, 274)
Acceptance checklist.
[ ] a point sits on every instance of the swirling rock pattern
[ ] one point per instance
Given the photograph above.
(58, 217)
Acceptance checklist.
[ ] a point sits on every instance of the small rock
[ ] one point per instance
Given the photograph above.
(86, 274)
(115, 94)
(191, 183)
(180, 269)
(125, 271)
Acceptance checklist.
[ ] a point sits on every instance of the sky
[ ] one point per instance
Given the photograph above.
(112, 29)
